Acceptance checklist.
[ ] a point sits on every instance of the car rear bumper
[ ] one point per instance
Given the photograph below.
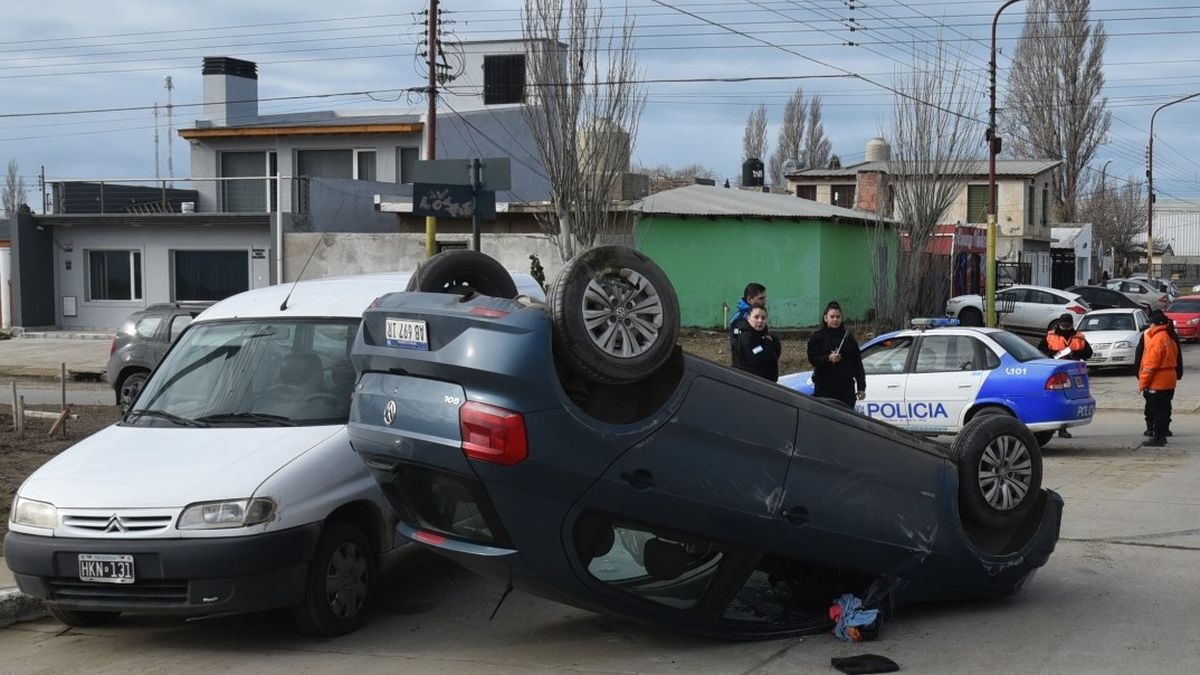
(188, 577)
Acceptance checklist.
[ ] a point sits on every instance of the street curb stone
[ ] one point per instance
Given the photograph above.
(16, 607)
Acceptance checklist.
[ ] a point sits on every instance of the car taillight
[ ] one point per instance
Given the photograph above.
(492, 434)
(112, 347)
(1076, 309)
(1059, 381)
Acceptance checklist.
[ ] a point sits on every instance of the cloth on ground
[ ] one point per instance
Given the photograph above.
(864, 663)
(848, 613)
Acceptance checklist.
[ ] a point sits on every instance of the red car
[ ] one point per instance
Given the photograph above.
(1184, 312)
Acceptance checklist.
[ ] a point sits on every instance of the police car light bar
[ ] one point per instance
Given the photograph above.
(934, 323)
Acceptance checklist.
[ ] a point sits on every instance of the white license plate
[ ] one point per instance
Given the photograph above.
(108, 568)
(407, 334)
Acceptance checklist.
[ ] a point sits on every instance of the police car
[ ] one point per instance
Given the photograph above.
(933, 378)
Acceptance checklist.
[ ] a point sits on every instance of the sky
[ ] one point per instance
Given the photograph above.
(63, 56)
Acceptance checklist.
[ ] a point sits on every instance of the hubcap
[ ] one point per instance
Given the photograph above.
(1005, 473)
(623, 313)
(346, 581)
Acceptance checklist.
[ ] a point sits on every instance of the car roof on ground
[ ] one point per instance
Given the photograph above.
(1116, 310)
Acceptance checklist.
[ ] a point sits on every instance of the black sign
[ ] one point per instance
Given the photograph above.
(452, 201)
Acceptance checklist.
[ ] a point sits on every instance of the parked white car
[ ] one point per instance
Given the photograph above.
(1033, 308)
(1113, 335)
(1141, 292)
(230, 484)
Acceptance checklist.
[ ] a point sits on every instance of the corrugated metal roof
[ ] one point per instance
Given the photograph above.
(706, 200)
(1004, 167)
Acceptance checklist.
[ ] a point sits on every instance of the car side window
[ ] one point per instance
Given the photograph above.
(887, 357)
(178, 323)
(147, 326)
(1043, 298)
(947, 353)
(1015, 295)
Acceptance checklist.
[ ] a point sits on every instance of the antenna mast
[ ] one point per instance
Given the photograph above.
(169, 84)
(156, 161)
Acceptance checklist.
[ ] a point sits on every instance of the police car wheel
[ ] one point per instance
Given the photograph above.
(999, 470)
(615, 315)
(463, 270)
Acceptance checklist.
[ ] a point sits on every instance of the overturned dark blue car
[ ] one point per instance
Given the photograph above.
(572, 450)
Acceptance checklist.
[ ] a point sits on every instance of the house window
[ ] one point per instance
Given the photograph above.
(209, 275)
(406, 163)
(450, 245)
(843, 195)
(114, 275)
(977, 203)
(1045, 203)
(807, 192)
(247, 195)
(1029, 205)
(503, 79)
(325, 163)
(364, 165)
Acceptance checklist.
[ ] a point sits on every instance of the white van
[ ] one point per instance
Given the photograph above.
(230, 485)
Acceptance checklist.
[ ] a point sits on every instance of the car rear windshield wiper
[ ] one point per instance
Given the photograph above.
(163, 414)
(260, 418)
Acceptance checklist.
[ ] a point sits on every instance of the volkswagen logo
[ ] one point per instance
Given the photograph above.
(389, 413)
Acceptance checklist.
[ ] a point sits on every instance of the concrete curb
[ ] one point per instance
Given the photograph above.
(16, 607)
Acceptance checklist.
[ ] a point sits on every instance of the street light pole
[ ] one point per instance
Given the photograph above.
(993, 142)
(1150, 187)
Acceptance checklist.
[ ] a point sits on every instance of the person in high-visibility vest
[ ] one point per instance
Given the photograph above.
(1062, 341)
(1157, 377)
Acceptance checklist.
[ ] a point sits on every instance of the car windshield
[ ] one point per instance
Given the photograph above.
(253, 373)
(1185, 307)
(1099, 322)
(1015, 346)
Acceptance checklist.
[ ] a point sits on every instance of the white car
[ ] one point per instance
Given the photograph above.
(230, 484)
(1113, 335)
(1033, 308)
(1141, 292)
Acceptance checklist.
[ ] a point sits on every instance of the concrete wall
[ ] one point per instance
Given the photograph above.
(803, 264)
(32, 273)
(340, 254)
(467, 90)
(155, 244)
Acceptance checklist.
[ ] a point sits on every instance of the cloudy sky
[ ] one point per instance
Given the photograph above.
(62, 56)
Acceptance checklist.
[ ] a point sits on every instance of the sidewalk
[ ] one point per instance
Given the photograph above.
(86, 359)
(14, 606)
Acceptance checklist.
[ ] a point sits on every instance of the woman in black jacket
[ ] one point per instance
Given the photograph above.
(837, 364)
(756, 351)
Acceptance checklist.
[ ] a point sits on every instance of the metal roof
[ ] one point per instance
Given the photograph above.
(706, 200)
(1004, 167)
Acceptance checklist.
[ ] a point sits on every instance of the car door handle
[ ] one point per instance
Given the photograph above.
(893, 386)
(965, 385)
(796, 515)
(383, 464)
(640, 479)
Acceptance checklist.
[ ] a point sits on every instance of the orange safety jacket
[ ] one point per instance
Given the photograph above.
(1056, 343)
(1159, 359)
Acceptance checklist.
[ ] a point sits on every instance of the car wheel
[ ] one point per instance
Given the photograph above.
(80, 618)
(129, 387)
(1043, 437)
(460, 270)
(970, 317)
(990, 410)
(340, 580)
(999, 470)
(615, 315)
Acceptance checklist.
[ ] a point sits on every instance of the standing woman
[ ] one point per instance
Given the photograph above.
(757, 351)
(837, 364)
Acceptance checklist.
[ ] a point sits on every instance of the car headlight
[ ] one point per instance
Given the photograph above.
(1193, 322)
(34, 514)
(227, 514)
(1122, 345)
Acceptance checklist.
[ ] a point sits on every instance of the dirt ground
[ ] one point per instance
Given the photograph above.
(714, 346)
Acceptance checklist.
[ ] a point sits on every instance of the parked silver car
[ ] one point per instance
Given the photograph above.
(1142, 292)
(141, 342)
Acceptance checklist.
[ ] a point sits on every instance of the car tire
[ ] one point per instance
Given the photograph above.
(970, 317)
(340, 580)
(1043, 437)
(80, 618)
(615, 315)
(999, 471)
(129, 386)
(461, 270)
(990, 410)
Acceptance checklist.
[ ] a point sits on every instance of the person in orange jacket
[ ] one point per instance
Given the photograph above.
(1062, 341)
(1157, 378)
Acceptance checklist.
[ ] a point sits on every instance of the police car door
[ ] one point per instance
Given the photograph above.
(946, 376)
(886, 364)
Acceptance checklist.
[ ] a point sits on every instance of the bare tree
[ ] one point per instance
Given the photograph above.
(1118, 216)
(790, 143)
(687, 172)
(1055, 108)
(14, 190)
(754, 138)
(584, 109)
(817, 146)
(934, 143)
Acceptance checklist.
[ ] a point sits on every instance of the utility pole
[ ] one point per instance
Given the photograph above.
(993, 142)
(157, 173)
(169, 84)
(431, 119)
(1150, 187)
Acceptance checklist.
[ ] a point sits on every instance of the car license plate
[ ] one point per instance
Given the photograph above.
(407, 334)
(108, 568)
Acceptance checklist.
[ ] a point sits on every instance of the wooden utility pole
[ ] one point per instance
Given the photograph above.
(431, 119)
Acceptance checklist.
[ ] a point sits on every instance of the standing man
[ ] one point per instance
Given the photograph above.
(1157, 378)
(1062, 341)
(755, 295)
